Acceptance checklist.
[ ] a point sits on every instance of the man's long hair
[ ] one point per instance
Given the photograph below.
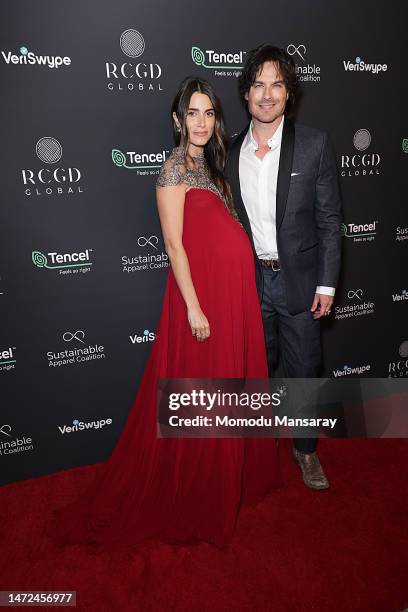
(215, 151)
(268, 53)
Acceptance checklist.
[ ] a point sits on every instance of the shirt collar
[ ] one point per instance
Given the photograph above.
(273, 142)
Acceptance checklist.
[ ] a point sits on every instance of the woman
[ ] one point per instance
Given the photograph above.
(179, 489)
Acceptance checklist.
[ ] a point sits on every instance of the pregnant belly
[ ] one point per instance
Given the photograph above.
(210, 231)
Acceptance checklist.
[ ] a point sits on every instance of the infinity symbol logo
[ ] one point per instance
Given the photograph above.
(357, 294)
(142, 241)
(68, 336)
(291, 49)
(3, 428)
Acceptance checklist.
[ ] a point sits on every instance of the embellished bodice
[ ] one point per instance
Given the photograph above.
(175, 171)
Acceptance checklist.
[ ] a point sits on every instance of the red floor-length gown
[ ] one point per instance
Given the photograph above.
(182, 490)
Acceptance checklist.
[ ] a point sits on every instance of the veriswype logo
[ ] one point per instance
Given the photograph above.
(224, 63)
(359, 232)
(145, 164)
(359, 65)
(134, 76)
(147, 336)
(78, 425)
(8, 359)
(356, 306)
(10, 444)
(361, 164)
(65, 263)
(399, 368)
(400, 297)
(352, 370)
(81, 353)
(51, 180)
(30, 58)
(152, 260)
(305, 71)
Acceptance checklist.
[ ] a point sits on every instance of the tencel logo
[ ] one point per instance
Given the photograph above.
(31, 58)
(78, 425)
(147, 336)
(359, 65)
(402, 296)
(151, 257)
(145, 164)
(10, 444)
(55, 178)
(8, 359)
(64, 263)
(352, 370)
(359, 232)
(364, 163)
(399, 367)
(306, 72)
(79, 352)
(133, 76)
(223, 63)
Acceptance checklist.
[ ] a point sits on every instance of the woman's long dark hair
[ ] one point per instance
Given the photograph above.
(215, 151)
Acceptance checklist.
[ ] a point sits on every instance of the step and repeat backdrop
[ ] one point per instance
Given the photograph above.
(85, 113)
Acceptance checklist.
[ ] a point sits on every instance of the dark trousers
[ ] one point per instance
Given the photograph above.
(292, 341)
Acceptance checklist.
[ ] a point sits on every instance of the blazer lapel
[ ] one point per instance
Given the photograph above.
(285, 169)
(233, 175)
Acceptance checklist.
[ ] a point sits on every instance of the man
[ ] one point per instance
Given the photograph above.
(284, 183)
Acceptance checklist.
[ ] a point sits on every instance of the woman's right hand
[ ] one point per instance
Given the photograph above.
(200, 328)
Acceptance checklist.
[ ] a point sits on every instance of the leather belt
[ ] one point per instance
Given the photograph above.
(270, 263)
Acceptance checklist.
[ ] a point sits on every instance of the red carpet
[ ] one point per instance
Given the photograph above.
(344, 549)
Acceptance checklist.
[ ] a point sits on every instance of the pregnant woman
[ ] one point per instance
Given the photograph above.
(181, 490)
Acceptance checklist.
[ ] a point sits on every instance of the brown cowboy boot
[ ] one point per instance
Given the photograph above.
(312, 471)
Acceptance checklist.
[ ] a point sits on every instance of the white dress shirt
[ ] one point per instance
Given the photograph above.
(258, 181)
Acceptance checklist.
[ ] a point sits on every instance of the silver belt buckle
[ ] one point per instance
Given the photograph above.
(275, 261)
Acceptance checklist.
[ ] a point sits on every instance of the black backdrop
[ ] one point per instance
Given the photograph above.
(82, 262)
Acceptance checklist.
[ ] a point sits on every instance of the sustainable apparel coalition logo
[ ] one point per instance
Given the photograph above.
(30, 58)
(81, 354)
(357, 305)
(10, 444)
(146, 261)
(306, 72)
